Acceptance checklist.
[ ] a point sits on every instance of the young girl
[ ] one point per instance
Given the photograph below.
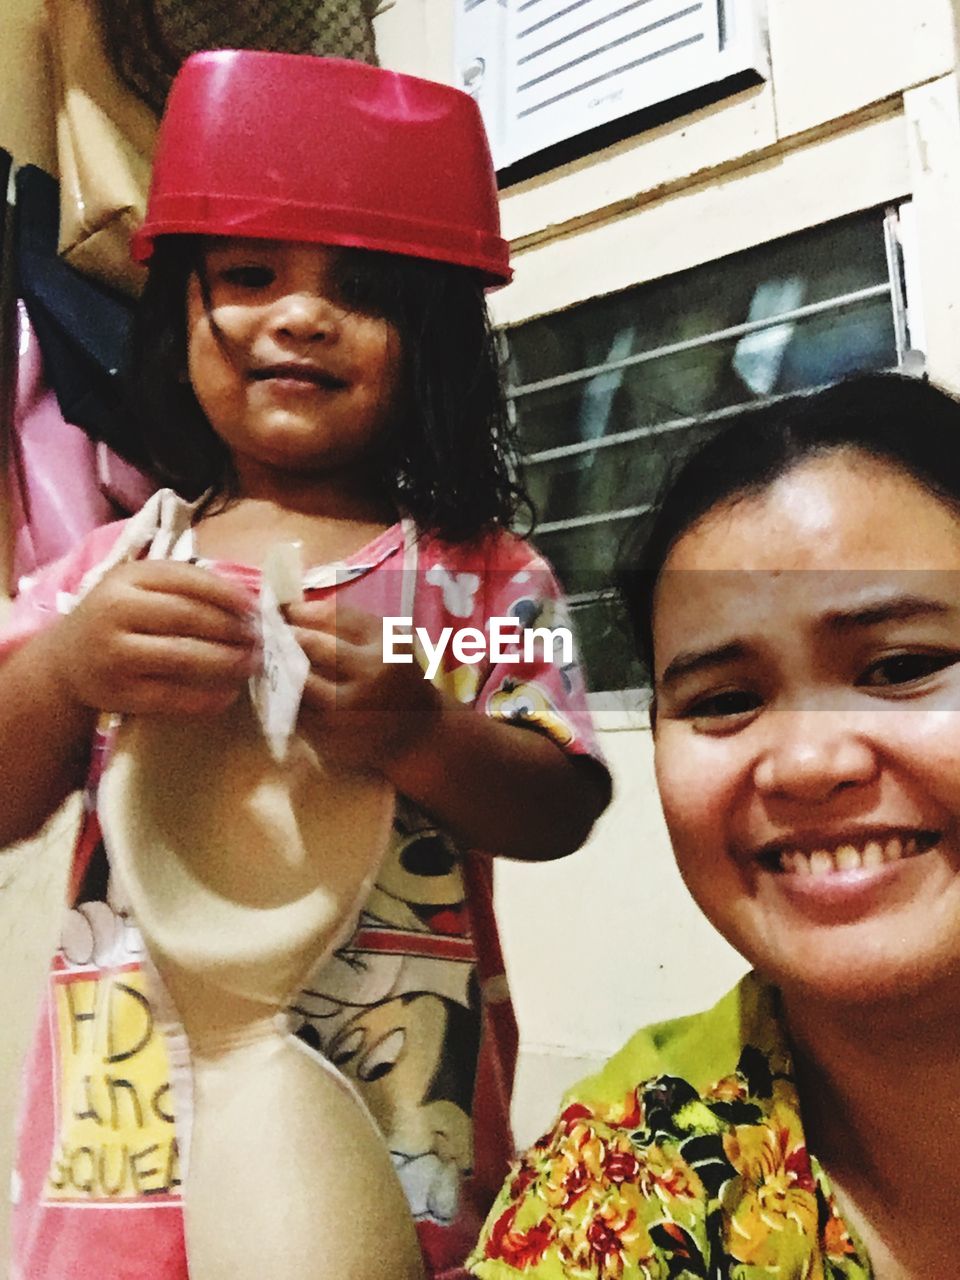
(797, 602)
(314, 363)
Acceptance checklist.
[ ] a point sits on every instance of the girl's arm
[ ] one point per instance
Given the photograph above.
(498, 786)
(151, 638)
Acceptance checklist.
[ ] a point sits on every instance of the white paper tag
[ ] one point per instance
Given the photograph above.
(283, 569)
(277, 689)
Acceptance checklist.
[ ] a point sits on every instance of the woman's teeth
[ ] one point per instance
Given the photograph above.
(850, 857)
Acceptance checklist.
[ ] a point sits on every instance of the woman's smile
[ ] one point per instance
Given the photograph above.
(850, 879)
(820, 856)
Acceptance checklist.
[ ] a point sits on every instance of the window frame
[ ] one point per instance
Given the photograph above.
(627, 708)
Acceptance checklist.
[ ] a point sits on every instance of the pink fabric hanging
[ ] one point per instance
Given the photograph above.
(61, 484)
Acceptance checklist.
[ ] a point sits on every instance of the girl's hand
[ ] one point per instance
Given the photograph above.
(357, 709)
(157, 637)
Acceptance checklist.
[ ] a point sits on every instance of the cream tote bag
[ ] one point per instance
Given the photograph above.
(105, 138)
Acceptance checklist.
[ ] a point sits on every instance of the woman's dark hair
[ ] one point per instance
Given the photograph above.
(450, 457)
(904, 420)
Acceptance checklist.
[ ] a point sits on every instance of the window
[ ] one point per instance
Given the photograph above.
(609, 393)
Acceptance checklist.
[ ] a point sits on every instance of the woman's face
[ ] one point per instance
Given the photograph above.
(807, 677)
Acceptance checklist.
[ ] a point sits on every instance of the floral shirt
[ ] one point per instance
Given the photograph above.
(684, 1157)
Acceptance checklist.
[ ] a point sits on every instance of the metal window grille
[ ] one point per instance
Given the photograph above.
(609, 394)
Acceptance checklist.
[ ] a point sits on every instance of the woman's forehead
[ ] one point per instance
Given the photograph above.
(844, 511)
(836, 544)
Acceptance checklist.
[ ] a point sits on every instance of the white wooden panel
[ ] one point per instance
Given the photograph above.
(416, 37)
(826, 179)
(933, 116)
(632, 169)
(831, 57)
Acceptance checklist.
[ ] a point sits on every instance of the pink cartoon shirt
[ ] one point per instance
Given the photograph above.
(414, 1009)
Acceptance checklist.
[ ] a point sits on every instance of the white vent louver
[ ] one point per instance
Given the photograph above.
(546, 70)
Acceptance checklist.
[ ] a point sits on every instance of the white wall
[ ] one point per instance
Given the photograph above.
(604, 941)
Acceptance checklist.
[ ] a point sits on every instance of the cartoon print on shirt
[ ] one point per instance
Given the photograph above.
(420, 885)
(396, 1009)
(115, 1133)
(93, 933)
(547, 612)
(528, 705)
(413, 1060)
(111, 1096)
(459, 589)
(418, 905)
(98, 929)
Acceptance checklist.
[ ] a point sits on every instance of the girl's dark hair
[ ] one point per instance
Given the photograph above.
(904, 420)
(450, 458)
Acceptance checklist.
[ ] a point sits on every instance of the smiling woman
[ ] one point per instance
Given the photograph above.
(807, 734)
(797, 602)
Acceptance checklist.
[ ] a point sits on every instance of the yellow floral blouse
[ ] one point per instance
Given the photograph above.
(684, 1157)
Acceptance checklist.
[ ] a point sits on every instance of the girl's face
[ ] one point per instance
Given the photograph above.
(807, 676)
(290, 374)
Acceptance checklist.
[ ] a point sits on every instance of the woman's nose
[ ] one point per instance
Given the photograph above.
(305, 317)
(812, 755)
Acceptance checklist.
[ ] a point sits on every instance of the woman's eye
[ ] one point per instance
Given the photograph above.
(904, 668)
(248, 277)
(727, 704)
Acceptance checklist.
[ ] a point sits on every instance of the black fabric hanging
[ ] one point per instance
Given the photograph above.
(82, 327)
(4, 182)
(7, 346)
